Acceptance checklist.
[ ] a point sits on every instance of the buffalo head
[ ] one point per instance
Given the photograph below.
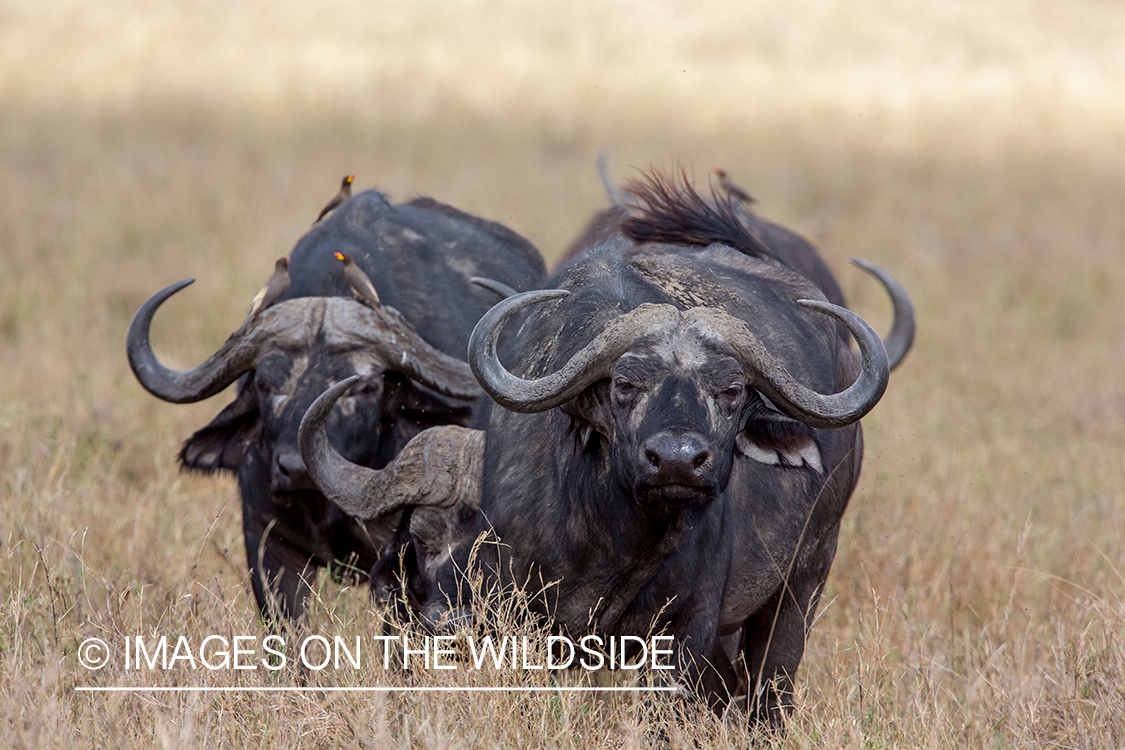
(673, 392)
(434, 480)
(287, 355)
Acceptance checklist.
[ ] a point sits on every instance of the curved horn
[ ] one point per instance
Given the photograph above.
(397, 343)
(222, 368)
(901, 336)
(587, 366)
(502, 290)
(796, 400)
(439, 467)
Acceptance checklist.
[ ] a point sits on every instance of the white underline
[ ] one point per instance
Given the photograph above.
(455, 689)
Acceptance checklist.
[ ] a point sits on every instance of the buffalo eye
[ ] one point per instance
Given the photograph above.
(627, 390)
(421, 549)
(264, 388)
(368, 390)
(729, 396)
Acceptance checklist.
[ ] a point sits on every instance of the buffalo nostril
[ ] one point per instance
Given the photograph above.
(290, 473)
(675, 457)
(290, 464)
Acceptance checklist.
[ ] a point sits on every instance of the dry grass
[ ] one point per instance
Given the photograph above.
(977, 150)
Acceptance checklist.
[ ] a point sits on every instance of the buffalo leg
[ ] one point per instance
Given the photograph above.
(774, 642)
(703, 664)
(281, 576)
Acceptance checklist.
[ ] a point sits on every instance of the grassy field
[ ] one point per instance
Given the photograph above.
(975, 150)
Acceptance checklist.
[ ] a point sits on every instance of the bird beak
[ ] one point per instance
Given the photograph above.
(339, 256)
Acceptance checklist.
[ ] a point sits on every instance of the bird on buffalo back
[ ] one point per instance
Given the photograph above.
(340, 197)
(272, 289)
(732, 188)
(361, 285)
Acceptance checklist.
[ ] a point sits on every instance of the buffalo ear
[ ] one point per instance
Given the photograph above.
(591, 410)
(222, 445)
(779, 441)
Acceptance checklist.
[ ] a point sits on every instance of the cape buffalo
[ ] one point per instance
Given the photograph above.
(431, 545)
(679, 441)
(420, 256)
(435, 481)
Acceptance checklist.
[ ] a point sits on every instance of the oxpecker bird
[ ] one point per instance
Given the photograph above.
(361, 285)
(272, 289)
(340, 197)
(731, 187)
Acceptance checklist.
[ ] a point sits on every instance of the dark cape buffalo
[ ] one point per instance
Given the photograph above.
(679, 441)
(420, 256)
(435, 481)
(675, 453)
(687, 445)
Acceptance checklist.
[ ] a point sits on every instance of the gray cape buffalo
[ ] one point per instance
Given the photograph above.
(678, 442)
(434, 480)
(431, 544)
(420, 257)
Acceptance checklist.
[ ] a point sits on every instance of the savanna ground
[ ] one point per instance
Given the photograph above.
(976, 150)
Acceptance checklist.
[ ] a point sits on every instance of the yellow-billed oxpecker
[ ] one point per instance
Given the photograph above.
(732, 188)
(340, 197)
(361, 285)
(272, 289)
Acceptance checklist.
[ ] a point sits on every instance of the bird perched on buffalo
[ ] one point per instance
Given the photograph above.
(340, 197)
(361, 285)
(272, 289)
(732, 188)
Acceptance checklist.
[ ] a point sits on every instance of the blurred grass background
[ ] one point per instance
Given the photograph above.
(976, 150)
